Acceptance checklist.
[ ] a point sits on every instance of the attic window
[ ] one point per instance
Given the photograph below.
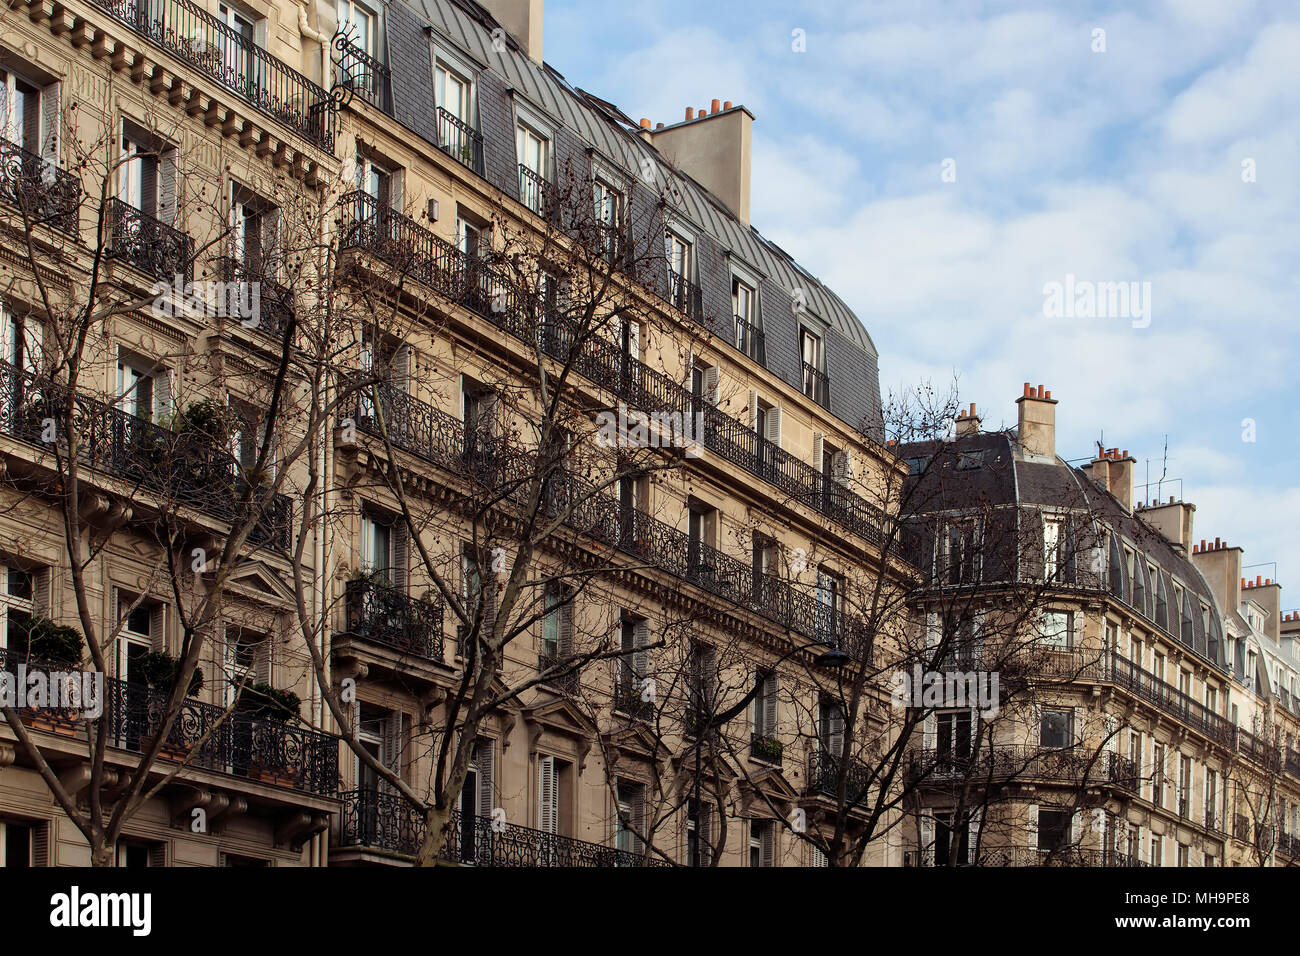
(917, 465)
(969, 460)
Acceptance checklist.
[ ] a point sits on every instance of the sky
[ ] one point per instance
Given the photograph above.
(941, 165)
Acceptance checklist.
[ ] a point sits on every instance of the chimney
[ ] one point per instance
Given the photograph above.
(1174, 521)
(968, 423)
(1121, 466)
(1267, 593)
(713, 147)
(1036, 425)
(1220, 565)
(522, 19)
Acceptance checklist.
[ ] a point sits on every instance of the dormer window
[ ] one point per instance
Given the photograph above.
(533, 150)
(749, 331)
(814, 365)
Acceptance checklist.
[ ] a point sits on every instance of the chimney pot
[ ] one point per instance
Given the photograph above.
(1040, 391)
(1267, 582)
(690, 113)
(1202, 544)
(1047, 394)
(659, 125)
(715, 106)
(972, 409)
(1217, 544)
(1258, 579)
(645, 122)
(1029, 390)
(727, 105)
(1244, 584)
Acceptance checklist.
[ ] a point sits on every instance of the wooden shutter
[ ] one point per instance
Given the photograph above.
(401, 545)
(773, 427)
(818, 453)
(167, 187)
(158, 854)
(33, 343)
(566, 626)
(768, 697)
(162, 394)
(835, 729)
(41, 843)
(972, 834)
(547, 805)
(10, 336)
(41, 597)
(753, 410)
(391, 742)
(704, 825)
(767, 844)
(263, 661)
(1031, 825)
(713, 384)
(158, 627)
(641, 657)
(483, 766)
(51, 119)
(819, 858)
(925, 840)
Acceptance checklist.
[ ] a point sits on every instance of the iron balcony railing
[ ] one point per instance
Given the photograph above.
(179, 468)
(751, 341)
(155, 248)
(685, 296)
(565, 683)
(383, 614)
(377, 820)
(415, 252)
(226, 56)
(824, 777)
(1063, 856)
(1022, 763)
(436, 436)
(460, 141)
(537, 192)
(767, 748)
(203, 735)
(363, 74)
(274, 300)
(47, 194)
(816, 385)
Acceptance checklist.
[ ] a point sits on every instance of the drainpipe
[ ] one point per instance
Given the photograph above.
(318, 37)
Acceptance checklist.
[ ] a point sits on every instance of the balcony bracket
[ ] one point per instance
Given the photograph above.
(298, 827)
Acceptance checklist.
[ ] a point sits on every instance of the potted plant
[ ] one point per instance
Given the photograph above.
(767, 748)
(50, 643)
(160, 671)
(262, 702)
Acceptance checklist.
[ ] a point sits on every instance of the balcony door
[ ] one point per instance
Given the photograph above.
(829, 601)
(238, 42)
(20, 108)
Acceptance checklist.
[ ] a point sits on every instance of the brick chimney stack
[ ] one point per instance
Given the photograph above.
(968, 423)
(1220, 564)
(713, 145)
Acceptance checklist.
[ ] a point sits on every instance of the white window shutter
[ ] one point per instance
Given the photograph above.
(768, 844)
(634, 339)
(264, 661)
(753, 410)
(42, 600)
(641, 659)
(933, 632)
(1076, 828)
(713, 384)
(167, 187)
(925, 849)
(818, 453)
(547, 820)
(392, 747)
(158, 627)
(33, 344)
(972, 835)
(770, 689)
(1031, 824)
(566, 628)
(401, 554)
(928, 732)
(774, 425)
(162, 397)
(483, 758)
(9, 336)
(51, 118)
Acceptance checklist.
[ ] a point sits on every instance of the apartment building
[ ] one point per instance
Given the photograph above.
(370, 170)
(1145, 723)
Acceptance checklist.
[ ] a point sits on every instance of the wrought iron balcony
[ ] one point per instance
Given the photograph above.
(816, 385)
(685, 296)
(362, 74)
(153, 247)
(629, 700)
(381, 821)
(938, 766)
(460, 141)
(415, 252)
(564, 683)
(204, 735)
(180, 468)
(225, 56)
(751, 341)
(824, 777)
(537, 192)
(381, 613)
(1064, 856)
(47, 194)
(274, 300)
(766, 748)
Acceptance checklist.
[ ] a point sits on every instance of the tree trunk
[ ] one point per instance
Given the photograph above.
(436, 834)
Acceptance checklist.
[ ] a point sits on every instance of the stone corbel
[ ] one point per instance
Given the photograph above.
(8, 754)
(507, 728)
(223, 808)
(430, 700)
(584, 748)
(299, 826)
(185, 802)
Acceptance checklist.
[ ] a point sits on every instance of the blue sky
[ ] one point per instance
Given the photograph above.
(1123, 165)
